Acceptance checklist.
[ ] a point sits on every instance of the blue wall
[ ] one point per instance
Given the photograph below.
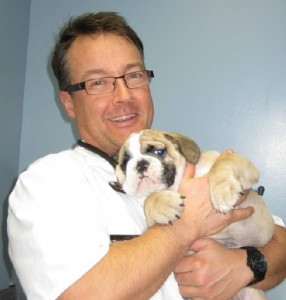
(220, 77)
(14, 28)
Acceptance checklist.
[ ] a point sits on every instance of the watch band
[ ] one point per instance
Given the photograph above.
(257, 263)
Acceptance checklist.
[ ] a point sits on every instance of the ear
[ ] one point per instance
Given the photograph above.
(186, 146)
(68, 103)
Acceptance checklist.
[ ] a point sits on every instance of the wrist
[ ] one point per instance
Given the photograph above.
(173, 235)
(256, 262)
(180, 235)
(244, 271)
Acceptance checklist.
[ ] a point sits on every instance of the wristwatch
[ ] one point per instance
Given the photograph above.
(257, 263)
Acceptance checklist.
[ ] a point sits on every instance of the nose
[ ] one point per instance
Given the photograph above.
(142, 165)
(121, 91)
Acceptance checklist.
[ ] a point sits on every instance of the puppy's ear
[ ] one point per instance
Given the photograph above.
(186, 146)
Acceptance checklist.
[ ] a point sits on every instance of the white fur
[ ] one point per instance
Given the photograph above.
(135, 184)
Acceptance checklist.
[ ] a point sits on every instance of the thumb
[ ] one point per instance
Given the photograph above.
(238, 214)
(189, 171)
(225, 153)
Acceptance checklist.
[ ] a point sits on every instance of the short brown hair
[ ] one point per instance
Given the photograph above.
(89, 23)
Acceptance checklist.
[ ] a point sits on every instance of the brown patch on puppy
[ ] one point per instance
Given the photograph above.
(175, 144)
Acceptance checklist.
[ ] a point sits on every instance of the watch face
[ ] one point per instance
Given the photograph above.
(259, 262)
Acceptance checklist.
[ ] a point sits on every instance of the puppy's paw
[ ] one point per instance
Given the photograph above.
(116, 185)
(224, 194)
(229, 178)
(163, 207)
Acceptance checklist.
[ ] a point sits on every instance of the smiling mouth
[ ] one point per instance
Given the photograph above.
(123, 118)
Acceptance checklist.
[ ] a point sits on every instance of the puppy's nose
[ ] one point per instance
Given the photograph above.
(142, 165)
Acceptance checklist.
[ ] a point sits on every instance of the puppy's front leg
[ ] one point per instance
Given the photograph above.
(163, 207)
(228, 178)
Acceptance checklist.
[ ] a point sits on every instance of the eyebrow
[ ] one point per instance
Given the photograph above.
(99, 72)
(103, 73)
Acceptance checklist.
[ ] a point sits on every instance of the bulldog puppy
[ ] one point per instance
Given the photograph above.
(151, 164)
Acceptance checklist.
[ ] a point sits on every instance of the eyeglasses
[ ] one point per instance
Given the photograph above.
(104, 85)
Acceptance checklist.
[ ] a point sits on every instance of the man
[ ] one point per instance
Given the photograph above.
(63, 213)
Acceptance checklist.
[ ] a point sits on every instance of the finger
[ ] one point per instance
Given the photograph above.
(240, 214)
(190, 292)
(185, 278)
(189, 170)
(225, 153)
(185, 265)
(187, 289)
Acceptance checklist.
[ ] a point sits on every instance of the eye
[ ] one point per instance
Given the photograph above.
(97, 82)
(159, 152)
(135, 75)
(150, 149)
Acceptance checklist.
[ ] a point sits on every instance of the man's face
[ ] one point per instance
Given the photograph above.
(105, 121)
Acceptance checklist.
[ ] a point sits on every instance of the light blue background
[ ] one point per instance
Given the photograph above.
(220, 78)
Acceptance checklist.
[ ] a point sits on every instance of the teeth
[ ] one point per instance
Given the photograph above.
(123, 118)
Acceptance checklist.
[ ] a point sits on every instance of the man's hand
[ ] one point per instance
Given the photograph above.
(210, 271)
(199, 215)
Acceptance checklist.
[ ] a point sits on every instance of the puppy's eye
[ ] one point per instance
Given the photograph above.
(156, 151)
(150, 149)
(159, 152)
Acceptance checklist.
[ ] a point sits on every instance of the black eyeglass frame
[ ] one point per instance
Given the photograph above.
(82, 85)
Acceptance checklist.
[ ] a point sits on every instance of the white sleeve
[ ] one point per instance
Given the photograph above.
(53, 216)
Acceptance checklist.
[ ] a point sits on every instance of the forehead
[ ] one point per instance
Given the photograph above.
(138, 143)
(102, 55)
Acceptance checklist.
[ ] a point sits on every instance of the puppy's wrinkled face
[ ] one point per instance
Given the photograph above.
(149, 161)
